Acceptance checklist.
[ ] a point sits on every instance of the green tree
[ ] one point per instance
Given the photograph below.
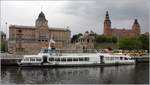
(130, 44)
(144, 39)
(105, 39)
(114, 39)
(2, 47)
(100, 39)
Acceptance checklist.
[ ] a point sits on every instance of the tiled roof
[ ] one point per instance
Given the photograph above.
(58, 29)
(22, 26)
(33, 27)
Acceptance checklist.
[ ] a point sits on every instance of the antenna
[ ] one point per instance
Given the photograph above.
(41, 7)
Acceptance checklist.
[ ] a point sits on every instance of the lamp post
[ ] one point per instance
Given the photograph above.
(6, 39)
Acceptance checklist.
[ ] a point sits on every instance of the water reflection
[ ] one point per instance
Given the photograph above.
(75, 75)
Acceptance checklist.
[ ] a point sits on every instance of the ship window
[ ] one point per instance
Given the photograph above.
(116, 58)
(121, 58)
(69, 59)
(107, 58)
(32, 59)
(38, 59)
(57, 59)
(26, 59)
(112, 58)
(63, 59)
(51, 59)
(126, 58)
(45, 51)
(80, 59)
(86, 59)
(75, 59)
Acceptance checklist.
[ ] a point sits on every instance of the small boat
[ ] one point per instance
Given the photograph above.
(53, 57)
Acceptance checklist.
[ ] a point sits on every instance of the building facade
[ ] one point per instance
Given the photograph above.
(30, 39)
(86, 41)
(109, 31)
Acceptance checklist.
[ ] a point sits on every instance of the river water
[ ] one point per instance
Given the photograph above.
(127, 74)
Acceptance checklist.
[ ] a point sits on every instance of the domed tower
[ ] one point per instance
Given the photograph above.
(107, 25)
(41, 21)
(136, 28)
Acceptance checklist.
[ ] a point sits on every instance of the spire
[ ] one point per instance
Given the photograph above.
(107, 16)
(41, 15)
(136, 21)
(136, 26)
(41, 20)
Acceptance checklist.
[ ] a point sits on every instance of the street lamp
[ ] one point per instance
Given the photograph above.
(6, 39)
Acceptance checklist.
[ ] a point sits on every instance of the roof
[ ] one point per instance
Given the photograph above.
(22, 26)
(33, 27)
(58, 29)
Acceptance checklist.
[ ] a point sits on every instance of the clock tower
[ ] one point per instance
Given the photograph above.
(42, 31)
(41, 21)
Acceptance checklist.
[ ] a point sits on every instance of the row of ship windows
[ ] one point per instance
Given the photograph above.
(117, 58)
(58, 59)
(69, 59)
(32, 59)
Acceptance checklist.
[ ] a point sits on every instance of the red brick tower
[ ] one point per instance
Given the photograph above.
(136, 28)
(107, 25)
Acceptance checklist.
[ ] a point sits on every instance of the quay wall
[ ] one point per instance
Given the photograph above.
(10, 59)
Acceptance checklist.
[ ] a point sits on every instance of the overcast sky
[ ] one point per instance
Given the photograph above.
(80, 16)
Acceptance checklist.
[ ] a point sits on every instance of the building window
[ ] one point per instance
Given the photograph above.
(88, 40)
(19, 31)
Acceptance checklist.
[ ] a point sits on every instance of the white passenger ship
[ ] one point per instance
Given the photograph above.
(52, 57)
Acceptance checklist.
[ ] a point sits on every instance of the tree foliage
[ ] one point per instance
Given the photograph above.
(2, 47)
(105, 39)
(144, 39)
(140, 42)
(130, 44)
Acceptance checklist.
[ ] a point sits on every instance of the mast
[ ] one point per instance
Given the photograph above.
(51, 42)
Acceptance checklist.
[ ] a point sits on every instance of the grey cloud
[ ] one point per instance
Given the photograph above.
(118, 9)
(82, 15)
